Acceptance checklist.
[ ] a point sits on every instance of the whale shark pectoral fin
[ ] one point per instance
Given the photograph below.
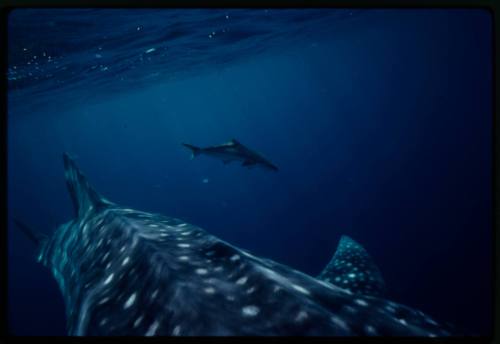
(352, 268)
(83, 195)
(34, 236)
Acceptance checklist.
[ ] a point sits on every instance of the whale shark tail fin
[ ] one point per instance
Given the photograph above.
(83, 195)
(194, 150)
(34, 236)
(352, 268)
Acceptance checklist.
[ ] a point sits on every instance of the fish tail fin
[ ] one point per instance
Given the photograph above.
(194, 150)
(84, 197)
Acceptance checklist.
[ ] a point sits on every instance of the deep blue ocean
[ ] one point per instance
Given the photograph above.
(380, 122)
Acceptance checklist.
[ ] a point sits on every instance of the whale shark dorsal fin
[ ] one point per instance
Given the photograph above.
(235, 142)
(352, 268)
(83, 195)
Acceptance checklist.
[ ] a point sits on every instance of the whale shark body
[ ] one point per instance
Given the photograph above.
(232, 151)
(127, 272)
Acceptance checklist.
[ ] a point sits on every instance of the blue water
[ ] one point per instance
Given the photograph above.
(379, 122)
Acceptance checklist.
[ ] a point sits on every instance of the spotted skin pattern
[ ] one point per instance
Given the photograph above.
(353, 269)
(128, 272)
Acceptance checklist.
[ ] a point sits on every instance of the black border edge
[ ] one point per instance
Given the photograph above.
(495, 184)
(6, 6)
(3, 187)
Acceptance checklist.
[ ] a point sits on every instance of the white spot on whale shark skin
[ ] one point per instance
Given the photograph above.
(105, 256)
(361, 302)
(109, 279)
(250, 311)
(302, 315)
(340, 323)
(176, 331)
(125, 261)
(183, 245)
(152, 329)
(130, 301)
(430, 321)
(138, 321)
(209, 290)
(183, 258)
(370, 330)
(201, 271)
(390, 309)
(153, 296)
(103, 300)
(234, 258)
(242, 280)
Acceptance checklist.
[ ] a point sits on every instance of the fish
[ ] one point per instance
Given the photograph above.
(127, 272)
(230, 151)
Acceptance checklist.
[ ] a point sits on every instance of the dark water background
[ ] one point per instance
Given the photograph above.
(379, 121)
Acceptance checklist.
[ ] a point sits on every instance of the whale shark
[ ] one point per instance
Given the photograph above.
(128, 272)
(232, 151)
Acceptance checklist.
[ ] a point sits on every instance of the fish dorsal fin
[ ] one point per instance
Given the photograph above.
(235, 142)
(352, 268)
(83, 195)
